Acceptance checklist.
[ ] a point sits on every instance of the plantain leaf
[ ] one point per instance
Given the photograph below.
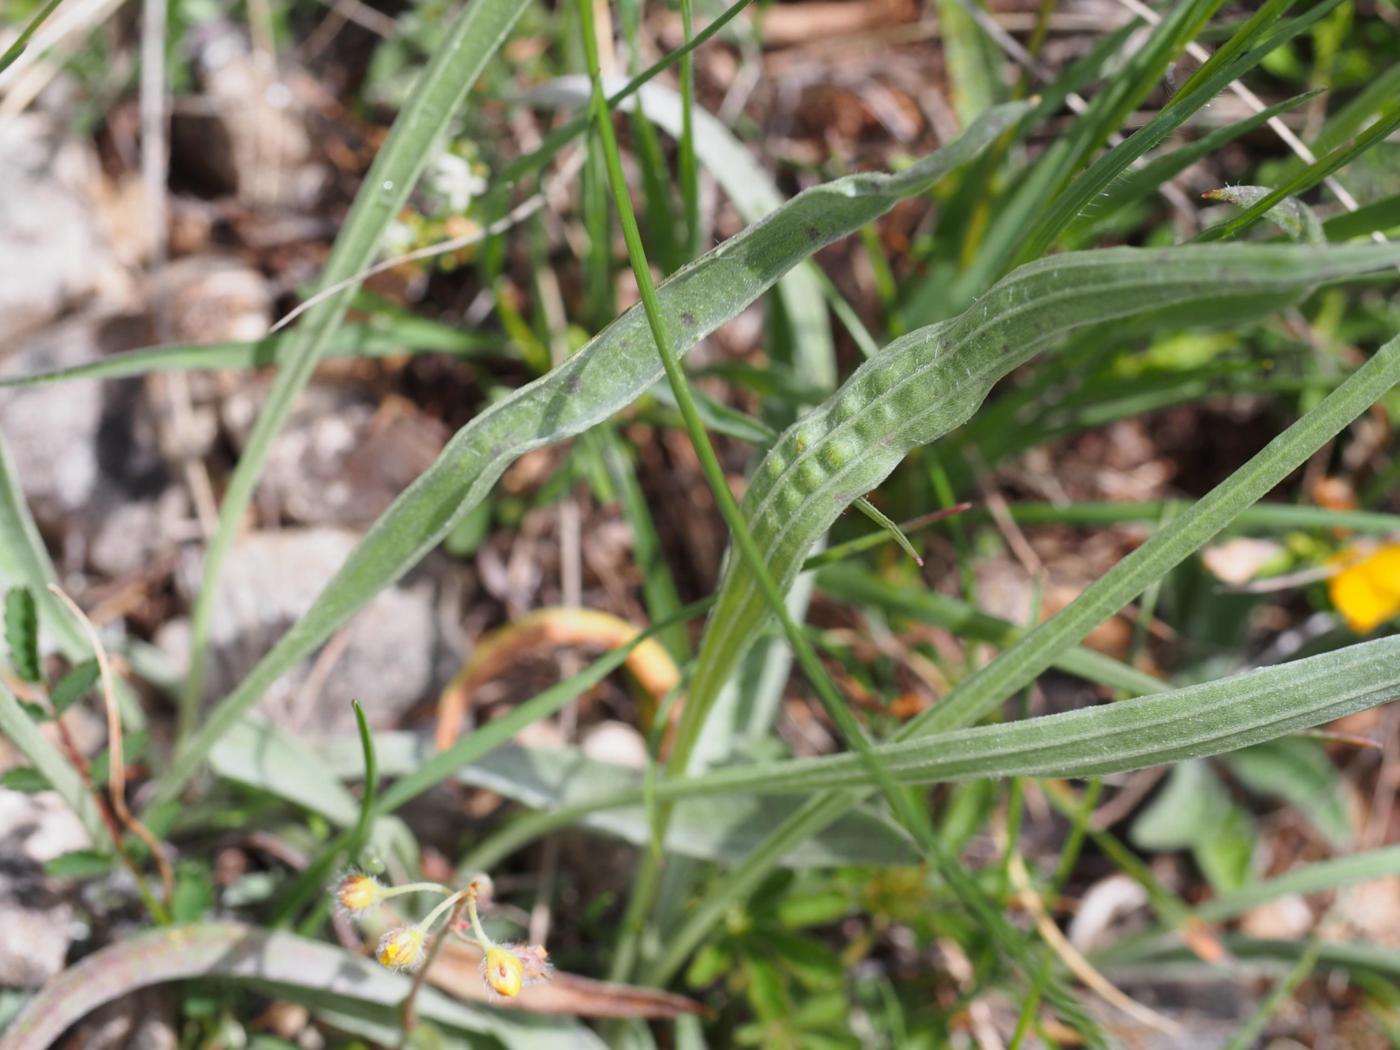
(556, 779)
(933, 379)
(617, 366)
(1193, 722)
(1019, 664)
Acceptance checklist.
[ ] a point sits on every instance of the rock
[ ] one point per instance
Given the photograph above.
(384, 657)
(246, 136)
(51, 245)
(142, 1021)
(341, 460)
(38, 931)
(617, 743)
(215, 298)
(1286, 918)
(36, 919)
(131, 535)
(39, 827)
(81, 448)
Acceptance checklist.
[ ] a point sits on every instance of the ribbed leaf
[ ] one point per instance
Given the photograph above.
(1023, 661)
(1194, 722)
(607, 374)
(932, 380)
(22, 633)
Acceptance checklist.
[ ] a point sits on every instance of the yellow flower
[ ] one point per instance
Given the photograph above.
(401, 949)
(357, 892)
(504, 971)
(1367, 591)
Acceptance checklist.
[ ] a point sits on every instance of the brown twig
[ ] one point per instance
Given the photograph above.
(116, 765)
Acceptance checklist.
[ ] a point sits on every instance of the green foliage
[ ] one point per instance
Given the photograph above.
(22, 633)
(772, 883)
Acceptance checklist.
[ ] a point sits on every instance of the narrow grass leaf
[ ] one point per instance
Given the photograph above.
(1226, 65)
(441, 88)
(1260, 517)
(749, 188)
(852, 584)
(22, 41)
(1132, 186)
(352, 340)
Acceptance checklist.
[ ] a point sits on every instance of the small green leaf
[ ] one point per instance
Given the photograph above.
(37, 713)
(22, 633)
(1189, 808)
(765, 989)
(1224, 855)
(1299, 772)
(73, 685)
(812, 963)
(80, 864)
(709, 964)
(24, 778)
(194, 893)
(813, 909)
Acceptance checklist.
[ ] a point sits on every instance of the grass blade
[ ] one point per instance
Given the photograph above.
(351, 340)
(441, 88)
(22, 41)
(1227, 65)
(747, 185)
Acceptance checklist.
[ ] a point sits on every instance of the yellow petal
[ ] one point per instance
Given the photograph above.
(504, 971)
(1367, 592)
(401, 949)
